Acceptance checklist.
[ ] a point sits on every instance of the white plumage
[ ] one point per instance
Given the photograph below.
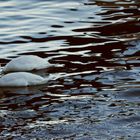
(17, 79)
(25, 63)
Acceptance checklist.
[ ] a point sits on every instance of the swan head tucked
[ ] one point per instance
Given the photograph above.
(26, 63)
(18, 72)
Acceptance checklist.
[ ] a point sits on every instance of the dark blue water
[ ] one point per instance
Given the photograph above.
(96, 42)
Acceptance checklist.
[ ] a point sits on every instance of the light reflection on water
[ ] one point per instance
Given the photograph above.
(96, 43)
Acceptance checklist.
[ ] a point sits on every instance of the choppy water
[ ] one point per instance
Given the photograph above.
(98, 43)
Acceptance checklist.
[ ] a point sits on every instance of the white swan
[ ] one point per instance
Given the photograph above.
(17, 79)
(26, 63)
(17, 72)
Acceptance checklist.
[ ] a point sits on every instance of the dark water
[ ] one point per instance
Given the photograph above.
(98, 43)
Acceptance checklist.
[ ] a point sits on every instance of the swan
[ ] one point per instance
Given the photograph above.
(16, 72)
(26, 63)
(19, 79)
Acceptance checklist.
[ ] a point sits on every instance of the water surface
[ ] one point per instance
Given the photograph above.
(97, 44)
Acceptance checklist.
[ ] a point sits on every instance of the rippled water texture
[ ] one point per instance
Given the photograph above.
(97, 44)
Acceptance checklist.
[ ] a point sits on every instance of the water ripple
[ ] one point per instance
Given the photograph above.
(95, 44)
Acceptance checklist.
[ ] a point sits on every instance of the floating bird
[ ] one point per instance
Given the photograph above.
(26, 63)
(17, 79)
(17, 72)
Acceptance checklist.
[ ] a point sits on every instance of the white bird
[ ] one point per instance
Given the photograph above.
(26, 63)
(17, 79)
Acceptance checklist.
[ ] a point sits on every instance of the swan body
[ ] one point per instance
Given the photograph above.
(17, 79)
(25, 63)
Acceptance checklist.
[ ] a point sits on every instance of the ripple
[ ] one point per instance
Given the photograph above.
(95, 44)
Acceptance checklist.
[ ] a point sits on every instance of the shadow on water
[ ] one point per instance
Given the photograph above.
(97, 45)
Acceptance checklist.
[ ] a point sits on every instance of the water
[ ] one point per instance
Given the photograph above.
(96, 43)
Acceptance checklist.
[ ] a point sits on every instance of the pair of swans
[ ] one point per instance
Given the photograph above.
(17, 72)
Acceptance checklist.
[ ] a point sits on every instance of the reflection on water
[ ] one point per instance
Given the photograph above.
(98, 44)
